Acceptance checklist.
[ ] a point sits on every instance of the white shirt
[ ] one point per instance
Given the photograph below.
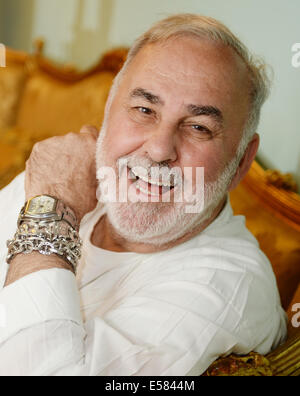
(169, 313)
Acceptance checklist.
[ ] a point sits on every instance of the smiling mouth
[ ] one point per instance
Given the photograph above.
(148, 186)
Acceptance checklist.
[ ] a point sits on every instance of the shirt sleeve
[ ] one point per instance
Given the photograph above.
(165, 328)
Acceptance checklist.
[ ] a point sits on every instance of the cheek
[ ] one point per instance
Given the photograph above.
(208, 156)
(122, 138)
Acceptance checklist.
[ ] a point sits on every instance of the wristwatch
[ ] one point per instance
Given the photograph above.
(46, 225)
(47, 208)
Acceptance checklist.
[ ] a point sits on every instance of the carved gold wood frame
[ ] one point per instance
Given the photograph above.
(282, 202)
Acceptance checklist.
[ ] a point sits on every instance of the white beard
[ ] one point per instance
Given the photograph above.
(161, 223)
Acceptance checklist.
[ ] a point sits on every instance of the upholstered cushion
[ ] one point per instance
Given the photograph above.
(279, 241)
(15, 148)
(12, 80)
(52, 107)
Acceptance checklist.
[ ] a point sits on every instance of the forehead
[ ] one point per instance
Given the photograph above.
(189, 67)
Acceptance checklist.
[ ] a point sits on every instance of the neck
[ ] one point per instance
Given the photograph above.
(105, 236)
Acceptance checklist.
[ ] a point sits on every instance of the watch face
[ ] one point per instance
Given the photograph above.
(41, 205)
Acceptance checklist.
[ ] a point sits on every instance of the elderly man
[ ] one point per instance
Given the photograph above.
(161, 288)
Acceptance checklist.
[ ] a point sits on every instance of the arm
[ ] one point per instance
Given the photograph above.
(51, 170)
(169, 326)
(23, 265)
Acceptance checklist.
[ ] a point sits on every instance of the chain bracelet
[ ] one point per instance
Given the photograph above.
(47, 238)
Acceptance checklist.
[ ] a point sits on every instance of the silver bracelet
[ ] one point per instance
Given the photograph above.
(47, 238)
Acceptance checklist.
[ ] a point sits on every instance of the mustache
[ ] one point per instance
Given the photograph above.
(159, 171)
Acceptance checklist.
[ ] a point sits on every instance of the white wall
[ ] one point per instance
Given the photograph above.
(16, 23)
(1, 22)
(78, 31)
(53, 20)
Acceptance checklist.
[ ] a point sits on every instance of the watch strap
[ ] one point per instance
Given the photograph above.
(67, 214)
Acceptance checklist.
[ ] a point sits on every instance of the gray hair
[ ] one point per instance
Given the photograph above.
(205, 27)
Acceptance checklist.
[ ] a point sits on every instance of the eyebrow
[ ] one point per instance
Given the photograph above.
(194, 110)
(210, 111)
(142, 93)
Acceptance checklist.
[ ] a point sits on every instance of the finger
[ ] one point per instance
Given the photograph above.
(90, 129)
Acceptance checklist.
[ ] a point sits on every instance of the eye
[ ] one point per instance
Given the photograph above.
(144, 110)
(201, 129)
(142, 115)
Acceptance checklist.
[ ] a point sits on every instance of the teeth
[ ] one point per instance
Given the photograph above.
(146, 191)
(150, 181)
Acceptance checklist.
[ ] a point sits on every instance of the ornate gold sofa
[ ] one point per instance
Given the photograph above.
(40, 100)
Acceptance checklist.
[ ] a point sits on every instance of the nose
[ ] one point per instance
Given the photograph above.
(161, 145)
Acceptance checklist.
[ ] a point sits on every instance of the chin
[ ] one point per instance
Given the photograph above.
(153, 224)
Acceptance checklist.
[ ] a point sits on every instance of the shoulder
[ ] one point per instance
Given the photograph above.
(222, 290)
(226, 248)
(233, 279)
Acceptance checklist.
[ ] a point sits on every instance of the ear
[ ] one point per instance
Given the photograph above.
(246, 162)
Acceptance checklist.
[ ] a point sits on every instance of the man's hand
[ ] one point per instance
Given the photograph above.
(65, 168)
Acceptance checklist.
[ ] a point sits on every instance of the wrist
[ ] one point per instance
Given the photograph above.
(26, 264)
(47, 226)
